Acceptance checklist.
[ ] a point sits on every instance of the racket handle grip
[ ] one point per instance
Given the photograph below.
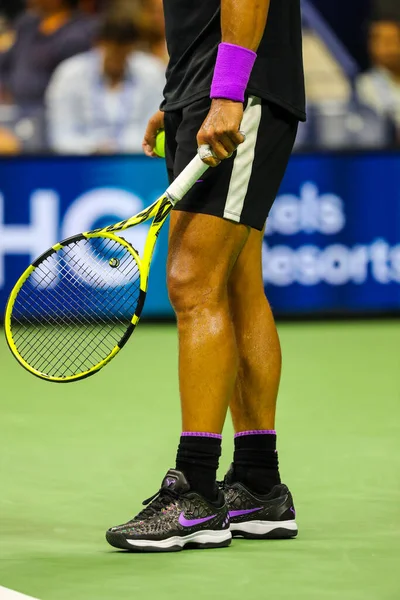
(186, 180)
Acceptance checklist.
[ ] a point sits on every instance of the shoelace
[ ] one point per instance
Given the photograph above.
(157, 502)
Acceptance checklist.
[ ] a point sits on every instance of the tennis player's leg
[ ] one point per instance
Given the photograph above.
(190, 509)
(203, 250)
(241, 191)
(204, 247)
(254, 402)
(260, 505)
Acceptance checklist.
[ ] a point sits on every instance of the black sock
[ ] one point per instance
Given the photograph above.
(255, 462)
(198, 458)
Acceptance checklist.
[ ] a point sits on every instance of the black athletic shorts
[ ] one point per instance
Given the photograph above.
(242, 188)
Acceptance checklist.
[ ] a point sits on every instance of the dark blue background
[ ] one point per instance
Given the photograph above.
(349, 20)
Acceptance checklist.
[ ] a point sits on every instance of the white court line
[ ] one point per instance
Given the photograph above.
(6, 594)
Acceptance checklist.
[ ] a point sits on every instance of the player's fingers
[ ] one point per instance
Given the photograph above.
(211, 161)
(212, 139)
(237, 137)
(219, 149)
(207, 155)
(149, 140)
(223, 143)
(148, 152)
(148, 148)
(148, 144)
(227, 142)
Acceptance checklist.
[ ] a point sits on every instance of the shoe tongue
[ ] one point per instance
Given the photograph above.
(176, 481)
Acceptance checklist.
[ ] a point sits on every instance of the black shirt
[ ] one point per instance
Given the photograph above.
(193, 30)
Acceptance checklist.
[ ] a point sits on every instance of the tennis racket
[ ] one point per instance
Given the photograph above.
(77, 305)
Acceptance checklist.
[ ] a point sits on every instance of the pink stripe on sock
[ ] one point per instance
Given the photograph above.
(201, 434)
(256, 432)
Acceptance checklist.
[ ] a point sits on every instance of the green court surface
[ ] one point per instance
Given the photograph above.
(78, 458)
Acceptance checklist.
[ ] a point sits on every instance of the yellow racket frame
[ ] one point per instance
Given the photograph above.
(159, 212)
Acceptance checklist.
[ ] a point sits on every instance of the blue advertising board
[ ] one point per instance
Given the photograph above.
(332, 242)
(46, 199)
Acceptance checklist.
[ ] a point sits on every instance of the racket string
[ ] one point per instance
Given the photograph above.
(57, 307)
(50, 318)
(73, 310)
(84, 355)
(90, 350)
(77, 340)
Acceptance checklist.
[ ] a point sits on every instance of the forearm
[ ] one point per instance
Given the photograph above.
(242, 26)
(243, 22)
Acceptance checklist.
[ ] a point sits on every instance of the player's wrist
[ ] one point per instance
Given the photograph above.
(232, 72)
(224, 101)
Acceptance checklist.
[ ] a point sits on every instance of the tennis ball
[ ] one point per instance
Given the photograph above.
(159, 148)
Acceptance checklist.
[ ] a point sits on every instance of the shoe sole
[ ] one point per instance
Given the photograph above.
(199, 540)
(265, 530)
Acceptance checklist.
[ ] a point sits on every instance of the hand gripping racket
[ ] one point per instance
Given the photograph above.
(77, 305)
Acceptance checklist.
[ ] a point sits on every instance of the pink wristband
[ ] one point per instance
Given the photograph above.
(232, 72)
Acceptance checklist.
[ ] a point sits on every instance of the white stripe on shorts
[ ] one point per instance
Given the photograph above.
(243, 163)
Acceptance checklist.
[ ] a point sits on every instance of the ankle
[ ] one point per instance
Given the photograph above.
(198, 458)
(255, 461)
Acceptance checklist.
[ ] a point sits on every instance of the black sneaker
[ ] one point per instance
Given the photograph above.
(175, 518)
(259, 517)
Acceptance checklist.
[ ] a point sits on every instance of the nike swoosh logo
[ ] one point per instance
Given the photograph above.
(192, 522)
(240, 513)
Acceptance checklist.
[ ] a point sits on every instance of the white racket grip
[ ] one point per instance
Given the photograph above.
(186, 180)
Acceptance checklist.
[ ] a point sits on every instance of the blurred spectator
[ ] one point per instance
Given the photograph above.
(100, 101)
(336, 117)
(152, 27)
(148, 16)
(11, 8)
(380, 86)
(24, 128)
(45, 36)
(6, 34)
(9, 142)
(325, 78)
(338, 125)
(88, 6)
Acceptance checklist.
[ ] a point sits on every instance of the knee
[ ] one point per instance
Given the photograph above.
(189, 290)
